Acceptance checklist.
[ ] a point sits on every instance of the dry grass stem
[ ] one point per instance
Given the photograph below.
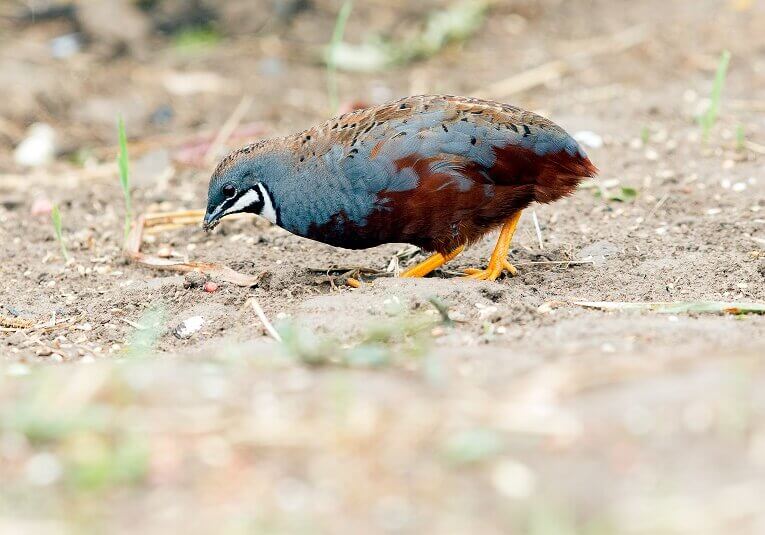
(264, 320)
(133, 253)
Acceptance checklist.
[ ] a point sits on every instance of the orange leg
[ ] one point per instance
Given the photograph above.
(498, 261)
(430, 263)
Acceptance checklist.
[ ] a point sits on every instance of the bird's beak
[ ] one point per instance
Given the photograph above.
(211, 220)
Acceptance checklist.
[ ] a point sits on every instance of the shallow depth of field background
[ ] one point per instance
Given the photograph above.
(405, 406)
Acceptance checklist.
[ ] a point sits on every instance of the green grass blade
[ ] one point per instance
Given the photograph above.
(55, 215)
(709, 118)
(337, 37)
(124, 169)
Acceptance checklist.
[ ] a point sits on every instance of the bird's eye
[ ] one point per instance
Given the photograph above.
(229, 191)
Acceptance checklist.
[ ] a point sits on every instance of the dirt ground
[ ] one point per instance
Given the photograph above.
(525, 413)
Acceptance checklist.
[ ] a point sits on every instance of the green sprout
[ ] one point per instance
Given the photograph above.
(122, 162)
(196, 38)
(55, 216)
(645, 135)
(454, 23)
(621, 194)
(337, 38)
(709, 117)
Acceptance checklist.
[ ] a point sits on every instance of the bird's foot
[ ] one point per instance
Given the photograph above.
(493, 271)
(429, 264)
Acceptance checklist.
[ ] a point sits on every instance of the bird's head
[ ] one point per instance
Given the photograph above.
(237, 185)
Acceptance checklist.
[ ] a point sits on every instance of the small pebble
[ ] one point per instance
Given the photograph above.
(194, 279)
(38, 148)
(41, 207)
(188, 327)
(210, 287)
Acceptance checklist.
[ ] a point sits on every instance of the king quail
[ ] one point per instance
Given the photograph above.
(438, 172)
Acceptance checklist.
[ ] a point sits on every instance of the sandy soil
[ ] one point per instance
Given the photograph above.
(528, 413)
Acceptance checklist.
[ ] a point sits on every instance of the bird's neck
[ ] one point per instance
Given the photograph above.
(303, 188)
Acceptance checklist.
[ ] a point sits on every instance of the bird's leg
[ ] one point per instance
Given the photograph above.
(430, 263)
(498, 261)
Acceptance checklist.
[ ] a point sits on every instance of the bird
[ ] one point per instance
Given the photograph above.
(435, 171)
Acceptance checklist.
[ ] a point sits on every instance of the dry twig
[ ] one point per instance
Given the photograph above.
(264, 320)
(133, 252)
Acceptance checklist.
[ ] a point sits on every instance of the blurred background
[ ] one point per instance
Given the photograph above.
(180, 67)
(520, 412)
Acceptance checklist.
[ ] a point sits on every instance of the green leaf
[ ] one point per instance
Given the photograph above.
(624, 194)
(473, 445)
(123, 164)
(55, 215)
(332, 53)
(709, 118)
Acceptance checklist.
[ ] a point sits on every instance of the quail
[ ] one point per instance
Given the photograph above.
(435, 171)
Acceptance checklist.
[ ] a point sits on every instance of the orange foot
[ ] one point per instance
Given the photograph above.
(498, 261)
(429, 264)
(492, 272)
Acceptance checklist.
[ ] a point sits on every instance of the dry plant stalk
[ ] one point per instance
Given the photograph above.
(15, 323)
(264, 320)
(133, 252)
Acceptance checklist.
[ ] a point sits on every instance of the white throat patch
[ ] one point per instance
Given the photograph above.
(268, 210)
(248, 199)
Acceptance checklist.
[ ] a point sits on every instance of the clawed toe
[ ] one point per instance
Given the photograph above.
(492, 272)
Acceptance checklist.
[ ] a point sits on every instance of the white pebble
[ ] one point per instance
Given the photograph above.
(38, 148)
(513, 479)
(43, 469)
(188, 327)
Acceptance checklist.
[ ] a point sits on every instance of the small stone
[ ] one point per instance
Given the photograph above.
(210, 287)
(38, 148)
(194, 279)
(188, 327)
(64, 46)
(739, 186)
(41, 206)
(43, 469)
(513, 479)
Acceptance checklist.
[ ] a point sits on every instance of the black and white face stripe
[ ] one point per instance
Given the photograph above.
(255, 200)
(267, 210)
